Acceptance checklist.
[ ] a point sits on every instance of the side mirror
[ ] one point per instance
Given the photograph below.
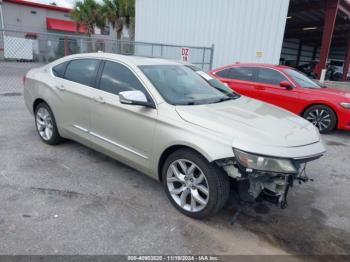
(286, 85)
(134, 98)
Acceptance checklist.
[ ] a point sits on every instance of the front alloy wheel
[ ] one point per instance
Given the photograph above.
(193, 185)
(187, 185)
(322, 117)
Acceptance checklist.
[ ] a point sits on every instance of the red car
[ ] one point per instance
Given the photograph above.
(326, 108)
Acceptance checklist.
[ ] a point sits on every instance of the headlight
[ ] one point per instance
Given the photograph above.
(345, 105)
(263, 163)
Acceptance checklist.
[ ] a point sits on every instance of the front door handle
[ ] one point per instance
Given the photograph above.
(259, 87)
(99, 99)
(60, 87)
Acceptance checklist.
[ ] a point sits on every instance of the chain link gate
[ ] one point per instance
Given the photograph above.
(20, 51)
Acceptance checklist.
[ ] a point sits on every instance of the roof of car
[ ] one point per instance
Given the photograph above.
(136, 60)
(251, 64)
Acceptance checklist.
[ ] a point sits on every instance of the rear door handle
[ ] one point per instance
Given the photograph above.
(60, 87)
(99, 99)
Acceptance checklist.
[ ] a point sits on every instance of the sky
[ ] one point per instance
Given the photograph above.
(64, 3)
(70, 3)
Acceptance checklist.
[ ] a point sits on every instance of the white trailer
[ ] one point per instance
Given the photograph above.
(18, 48)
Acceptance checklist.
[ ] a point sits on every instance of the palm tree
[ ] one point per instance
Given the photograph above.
(87, 13)
(119, 13)
(128, 12)
(110, 12)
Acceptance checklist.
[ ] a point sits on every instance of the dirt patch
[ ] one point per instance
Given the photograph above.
(334, 143)
(56, 192)
(11, 94)
(300, 236)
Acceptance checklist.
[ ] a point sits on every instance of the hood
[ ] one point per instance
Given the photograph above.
(249, 121)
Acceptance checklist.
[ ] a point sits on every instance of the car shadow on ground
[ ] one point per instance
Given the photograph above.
(338, 133)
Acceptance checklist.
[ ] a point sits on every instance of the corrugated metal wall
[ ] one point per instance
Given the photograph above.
(241, 30)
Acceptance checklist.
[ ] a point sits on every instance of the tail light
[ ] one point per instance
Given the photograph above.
(24, 78)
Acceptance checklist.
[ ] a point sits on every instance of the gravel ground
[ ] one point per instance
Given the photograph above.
(69, 199)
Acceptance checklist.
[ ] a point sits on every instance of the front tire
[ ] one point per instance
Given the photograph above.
(46, 125)
(322, 117)
(194, 186)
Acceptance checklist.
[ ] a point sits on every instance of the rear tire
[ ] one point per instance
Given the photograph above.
(200, 189)
(322, 117)
(46, 124)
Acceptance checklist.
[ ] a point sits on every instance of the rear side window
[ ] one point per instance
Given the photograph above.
(238, 73)
(270, 76)
(116, 78)
(242, 73)
(82, 71)
(59, 69)
(224, 73)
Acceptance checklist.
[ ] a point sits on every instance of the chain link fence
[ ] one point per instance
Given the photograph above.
(20, 51)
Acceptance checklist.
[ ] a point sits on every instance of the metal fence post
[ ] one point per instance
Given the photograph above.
(203, 58)
(211, 57)
(65, 44)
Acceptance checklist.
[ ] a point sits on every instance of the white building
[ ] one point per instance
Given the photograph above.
(240, 30)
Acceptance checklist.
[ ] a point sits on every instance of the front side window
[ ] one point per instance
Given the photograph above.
(82, 71)
(301, 79)
(116, 78)
(181, 85)
(270, 76)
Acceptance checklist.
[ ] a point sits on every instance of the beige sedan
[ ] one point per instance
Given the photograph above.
(174, 123)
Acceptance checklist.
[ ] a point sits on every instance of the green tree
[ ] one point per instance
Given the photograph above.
(87, 13)
(119, 13)
(128, 12)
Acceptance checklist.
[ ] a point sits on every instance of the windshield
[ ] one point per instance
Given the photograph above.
(301, 79)
(182, 85)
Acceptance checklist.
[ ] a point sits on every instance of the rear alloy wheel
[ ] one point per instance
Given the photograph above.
(46, 124)
(322, 117)
(195, 187)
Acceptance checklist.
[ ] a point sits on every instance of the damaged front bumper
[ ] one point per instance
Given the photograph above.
(254, 184)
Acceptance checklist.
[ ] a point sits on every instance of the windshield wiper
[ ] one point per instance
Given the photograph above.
(210, 102)
(190, 103)
(224, 99)
(226, 93)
